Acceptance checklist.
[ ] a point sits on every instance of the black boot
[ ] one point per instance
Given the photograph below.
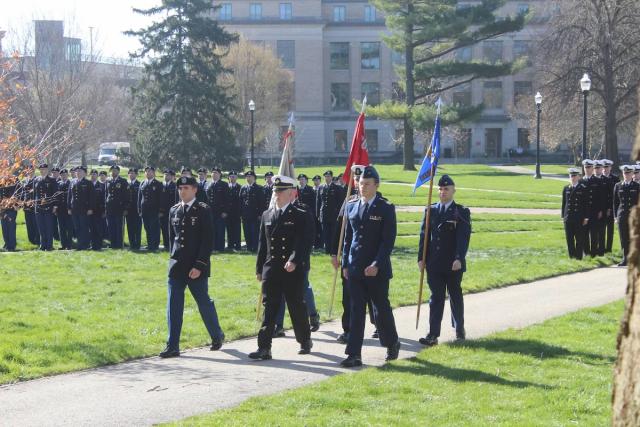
(429, 341)
(305, 347)
(351, 362)
(169, 352)
(393, 351)
(262, 354)
(314, 321)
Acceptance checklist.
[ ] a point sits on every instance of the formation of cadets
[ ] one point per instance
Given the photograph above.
(593, 203)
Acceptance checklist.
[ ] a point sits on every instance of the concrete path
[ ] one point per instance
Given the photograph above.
(512, 211)
(152, 390)
(521, 170)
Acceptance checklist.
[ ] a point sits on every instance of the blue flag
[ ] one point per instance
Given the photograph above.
(430, 162)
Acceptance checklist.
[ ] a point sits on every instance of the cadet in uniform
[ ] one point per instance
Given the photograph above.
(134, 223)
(366, 263)
(55, 174)
(44, 190)
(316, 190)
(605, 206)
(625, 197)
(149, 206)
(99, 215)
(65, 222)
(190, 236)
(29, 210)
(168, 199)
(116, 204)
(202, 181)
(268, 189)
(81, 203)
(331, 198)
(636, 173)
(233, 220)
(8, 212)
(575, 213)
(306, 195)
(595, 206)
(218, 196)
(612, 180)
(252, 206)
(447, 245)
(283, 253)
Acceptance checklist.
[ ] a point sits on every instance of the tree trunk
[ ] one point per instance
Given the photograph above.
(626, 380)
(408, 155)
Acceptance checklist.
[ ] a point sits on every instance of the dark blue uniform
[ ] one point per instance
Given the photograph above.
(596, 205)
(625, 197)
(218, 200)
(29, 211)
(612, 180)
(81, 201)
(369, 239)
(449, 235)
(331, 198)
(169, 198)
(252, 206)
(134, 222)
(574, 212)
(233, 220)
(65, 223)
(8, 215)
(149, 197)
(45, 191)
(116, 203)
(97, 223)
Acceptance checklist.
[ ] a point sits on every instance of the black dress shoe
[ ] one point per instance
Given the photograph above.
(351, 362)
(305, 347)
(217, 344)
(314, 321)
(278, 332)
(375, 334)
(461, 335)
(169, 352)
(623, 263)
(393, 351)
(262, 354)
(429, 341)
(343, 338)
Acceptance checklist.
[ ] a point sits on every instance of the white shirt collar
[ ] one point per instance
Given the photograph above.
(284, 208)
(188, 205)
(362, 201)
(446, 205)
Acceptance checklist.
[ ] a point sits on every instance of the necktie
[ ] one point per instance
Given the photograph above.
(442, 209)
(365, 211)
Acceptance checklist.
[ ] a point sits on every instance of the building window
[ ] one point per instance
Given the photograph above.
(397, 93)
(340, 140)
(493, 94)
(462, 95)
(371, 139)
(464, 54)
(492, 51)
(372, 92)
(287, 53)
(340, 97)
(339, 13)
(369, 13)
(524, 142)
(370, 55)
(285, 11)
(397, 58)
(522, 90)
(339, 53)
(521, 49)
(226, 12)
(255, 11)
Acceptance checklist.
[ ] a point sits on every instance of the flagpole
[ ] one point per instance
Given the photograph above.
(425, 248)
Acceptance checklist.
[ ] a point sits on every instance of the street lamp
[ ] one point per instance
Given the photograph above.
(538, 99)
(252, 109)
(585, 85)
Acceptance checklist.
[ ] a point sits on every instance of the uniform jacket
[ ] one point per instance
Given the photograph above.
(101, 190)
(7, 192)
(596, 195)
(169, 197)
(63, 192)
(251, 201)
(369, 239)
(625, 197)
(234, 205)
(81, 197)
(132, 205)
(117, 196)
(149, 197)
(574, 202)
(28, 194)
(44, 193)
(190, 240)
(268, 193)
(307, 196)
(283, 239)
(331, 197)
(449, 238)
(218, 197)
(612, 180)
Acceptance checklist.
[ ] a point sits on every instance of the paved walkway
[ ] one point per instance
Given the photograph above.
(152, 390)
(512, 211)
(521, 170)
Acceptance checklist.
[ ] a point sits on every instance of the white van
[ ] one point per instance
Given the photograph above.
(112, 153)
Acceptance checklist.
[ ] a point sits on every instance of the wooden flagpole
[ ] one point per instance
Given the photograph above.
(343, 226)
(425, 248)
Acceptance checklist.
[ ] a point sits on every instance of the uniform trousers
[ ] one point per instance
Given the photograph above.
(45, 228)
(116, 231)
(440, 283)
(8, 223)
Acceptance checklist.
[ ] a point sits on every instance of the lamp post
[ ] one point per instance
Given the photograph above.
(252, 109)
(585, 85)
(538, 99)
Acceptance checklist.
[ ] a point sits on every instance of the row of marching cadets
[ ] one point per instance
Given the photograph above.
(593, 203)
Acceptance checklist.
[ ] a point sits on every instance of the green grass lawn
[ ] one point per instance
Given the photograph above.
(553, 374)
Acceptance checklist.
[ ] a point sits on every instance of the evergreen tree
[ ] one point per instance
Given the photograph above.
(429, 33)
(182, 114)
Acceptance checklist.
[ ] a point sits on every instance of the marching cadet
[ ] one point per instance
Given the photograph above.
(447, 245)
(65, 223)
(168, 199)
(283, 253)
(595, 206)
(366, 263)
(9, 189)
(604, 207)
(134, 223)
(218, 199)
(233, 220)
(44, 190)
(81, 202)
(252, 206)
(190, 237)
(612, 180)
(116, 205)
(29, 210)
(575, 213)
(268, 189)
(331, 198)
(625, 197)
(149, 206)
(316, 190)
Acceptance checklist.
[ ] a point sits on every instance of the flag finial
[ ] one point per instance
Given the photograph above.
(364, 105)
(439, 104)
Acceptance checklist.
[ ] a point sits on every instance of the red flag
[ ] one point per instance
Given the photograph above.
(359, 154)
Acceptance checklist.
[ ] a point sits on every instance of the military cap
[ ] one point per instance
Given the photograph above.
(134, 170)
(216, 169)
(268, 174)
(588, 162)
(114, 167)
(43, 166)
(94, 171)
(340, 176)
(81, 168)
(445, 180)
(317, 177)
(169, 171)
(73, 169)
(607, 162)
(627, 168)
(636, 169)
(303, 176)
(103, 173)
(328, 173)
(598, 163)
(201, 170)
(573, 171)
(149, 168)
(233, 173)
(64, 171)
(187, 180)
(185, 169)
(370, 172)
(250, 173)
(55, 169)
(356, 169)
(283, 182)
